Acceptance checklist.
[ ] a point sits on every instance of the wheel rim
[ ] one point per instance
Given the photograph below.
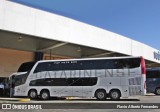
(44, 95)
(32, 94)
(158, 91)
(115, 95)
(100, 95)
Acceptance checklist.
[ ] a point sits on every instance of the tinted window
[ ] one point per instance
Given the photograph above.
(46, 66)
(20, 79)
(75, 81)
(88, 64)
(59, 82)
(49, 82)
(126, 63)
(90, 81)
(26, 66)
(87, 81)
(153, 74)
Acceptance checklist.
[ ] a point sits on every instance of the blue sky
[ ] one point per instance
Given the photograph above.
(136, 19)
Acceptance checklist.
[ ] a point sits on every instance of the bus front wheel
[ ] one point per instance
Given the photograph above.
(32, 94)
(157, 91)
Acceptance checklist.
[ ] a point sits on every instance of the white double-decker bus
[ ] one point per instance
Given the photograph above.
(91, 77)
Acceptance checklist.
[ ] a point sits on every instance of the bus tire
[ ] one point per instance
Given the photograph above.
(44, 95)
(32, 94)
(157, 91)
(115, 94)
(100, 94)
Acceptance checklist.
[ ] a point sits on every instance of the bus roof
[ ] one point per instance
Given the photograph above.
(89, 59)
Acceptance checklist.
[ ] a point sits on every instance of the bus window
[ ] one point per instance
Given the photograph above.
(26, 67)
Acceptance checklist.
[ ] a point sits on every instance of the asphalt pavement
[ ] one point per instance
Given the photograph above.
(148, 103)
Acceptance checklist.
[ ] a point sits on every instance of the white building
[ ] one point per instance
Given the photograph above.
(25, 30)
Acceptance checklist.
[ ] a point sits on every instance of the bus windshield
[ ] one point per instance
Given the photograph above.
(20, 79)
(26, 66)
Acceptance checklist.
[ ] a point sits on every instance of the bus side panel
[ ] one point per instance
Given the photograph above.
(20, 91)
(125, 87)
(143, 85)
(125, 91)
